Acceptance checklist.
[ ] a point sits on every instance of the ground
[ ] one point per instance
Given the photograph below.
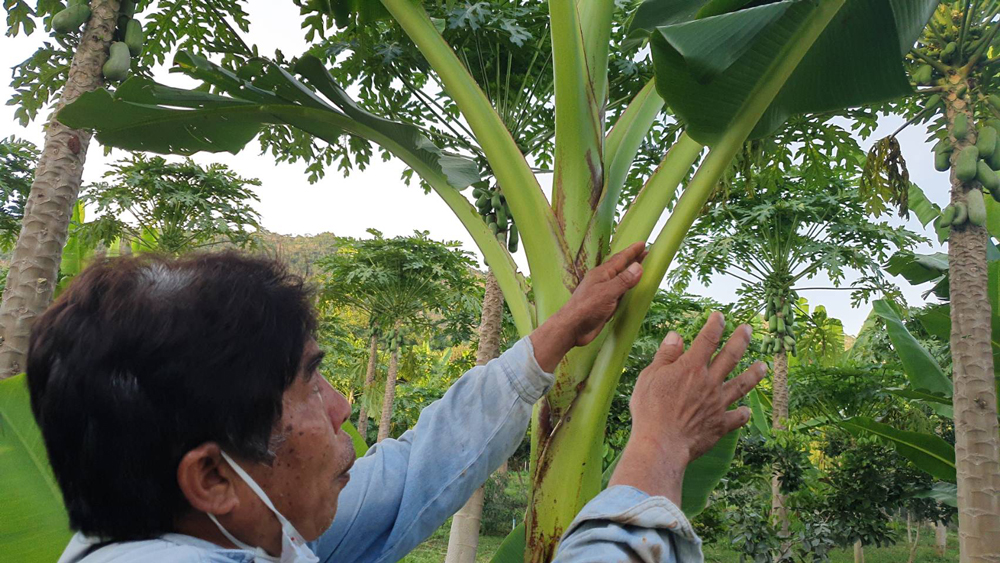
(433, 551)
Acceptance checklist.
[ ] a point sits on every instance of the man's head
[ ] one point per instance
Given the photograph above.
(145, 368)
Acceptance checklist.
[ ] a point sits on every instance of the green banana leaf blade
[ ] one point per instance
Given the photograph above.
(34, 526)
(707, 67)
(920, 367)
(928, 452)
(146, 116)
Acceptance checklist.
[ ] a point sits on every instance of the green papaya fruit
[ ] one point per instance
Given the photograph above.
(944, 145)
(986, 176)
(795, 349)
(961, 214)
(949, 51)
(71, 18)
(772, 323)
(961, 127)
(116, 68)
(994, 159)
(477, 193)
(789, 340)
(994, 100)
(947, 216)
(965, 165)
(923, 74)
(942, 161)
(127, 8)
(502, 215)
(483, 200)
(512, 238)
(781, 325)
(496, 200)
(494, 227)
(932, 102)
(986, 142)
(134, 37)
(976, 206)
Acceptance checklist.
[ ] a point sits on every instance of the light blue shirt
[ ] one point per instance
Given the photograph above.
(402, 490)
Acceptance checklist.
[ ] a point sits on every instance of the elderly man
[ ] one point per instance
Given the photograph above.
(186, 420)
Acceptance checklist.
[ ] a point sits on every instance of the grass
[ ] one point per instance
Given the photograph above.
(433, 550)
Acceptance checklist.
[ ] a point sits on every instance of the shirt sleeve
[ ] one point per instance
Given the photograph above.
(402, 490)
(625, 524)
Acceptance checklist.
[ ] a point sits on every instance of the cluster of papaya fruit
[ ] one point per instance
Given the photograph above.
(979, 162)
(492, 206)
(128, 39)
(780, 322)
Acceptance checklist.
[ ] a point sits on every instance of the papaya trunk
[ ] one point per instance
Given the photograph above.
(463, 540)
(779, 415)
(977, 444)
(859, 552)
(940, 538)
(34, 265)
(385, 422)
(369, 380)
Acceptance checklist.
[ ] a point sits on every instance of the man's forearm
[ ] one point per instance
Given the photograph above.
(646, 466)
(553, 340)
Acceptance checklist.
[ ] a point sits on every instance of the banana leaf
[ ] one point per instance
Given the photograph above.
(928, 452)
(758, 417)
(143, 115)
(710, 57)
(920, 367)
(945, 493)
(34, 526)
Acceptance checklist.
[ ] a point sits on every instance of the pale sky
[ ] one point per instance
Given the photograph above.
(378, 198)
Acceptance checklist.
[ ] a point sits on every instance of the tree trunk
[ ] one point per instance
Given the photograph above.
(915, 540)
(369, 380)
(34, 265)
(859, 552)
(940, 538)
(463, 540)
(385, 423)
(779, 414)
(977, 444)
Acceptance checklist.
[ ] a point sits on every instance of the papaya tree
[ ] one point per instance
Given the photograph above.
(174, 206)
(400, 282)
(729, 71)
(60, 70)
(955, 64)
(777, 234)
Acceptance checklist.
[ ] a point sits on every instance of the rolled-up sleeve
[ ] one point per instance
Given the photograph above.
(403, 490)
(625, 524)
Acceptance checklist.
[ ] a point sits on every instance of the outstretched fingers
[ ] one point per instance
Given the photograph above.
(737, 387)
(707, 341)
(621, 261)
(725, 361)
(670, 349)
(734, 419)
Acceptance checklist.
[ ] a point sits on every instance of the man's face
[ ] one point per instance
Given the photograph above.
(312, 452)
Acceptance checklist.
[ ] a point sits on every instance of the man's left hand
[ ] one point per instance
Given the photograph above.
(592, 304)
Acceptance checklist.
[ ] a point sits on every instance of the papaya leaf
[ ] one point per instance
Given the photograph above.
(856, 59)
(928, 452)
(918, 268)
(920, 367)
(33, 521)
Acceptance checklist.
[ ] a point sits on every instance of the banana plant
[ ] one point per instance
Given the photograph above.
(730, 70)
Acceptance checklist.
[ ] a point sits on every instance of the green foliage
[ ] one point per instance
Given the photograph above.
(200, 26)
(33, 521)
(505, 501)
(174, 206)
(18, 159)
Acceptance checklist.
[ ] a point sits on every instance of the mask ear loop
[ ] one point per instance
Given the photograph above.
(285, 524)
(229, 536)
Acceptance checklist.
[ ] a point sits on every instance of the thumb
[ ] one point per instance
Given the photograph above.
(671, 348)
(628, 278)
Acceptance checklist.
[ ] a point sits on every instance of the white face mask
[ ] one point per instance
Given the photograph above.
(293, 547)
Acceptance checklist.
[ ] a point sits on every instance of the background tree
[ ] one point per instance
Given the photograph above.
(66, 67)
(172, 207)
(778, 235)
(18, 160)
(402, 282)
(955, 61)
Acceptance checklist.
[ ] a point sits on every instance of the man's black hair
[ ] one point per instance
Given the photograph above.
(143, 359)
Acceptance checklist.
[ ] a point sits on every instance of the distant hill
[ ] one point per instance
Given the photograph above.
(299, 252)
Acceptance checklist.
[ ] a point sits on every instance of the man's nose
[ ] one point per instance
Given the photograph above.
(338, 409)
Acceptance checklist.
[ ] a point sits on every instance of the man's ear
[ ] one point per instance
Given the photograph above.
(206, 480)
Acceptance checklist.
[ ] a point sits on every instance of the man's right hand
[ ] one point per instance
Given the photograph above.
(679, 407)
